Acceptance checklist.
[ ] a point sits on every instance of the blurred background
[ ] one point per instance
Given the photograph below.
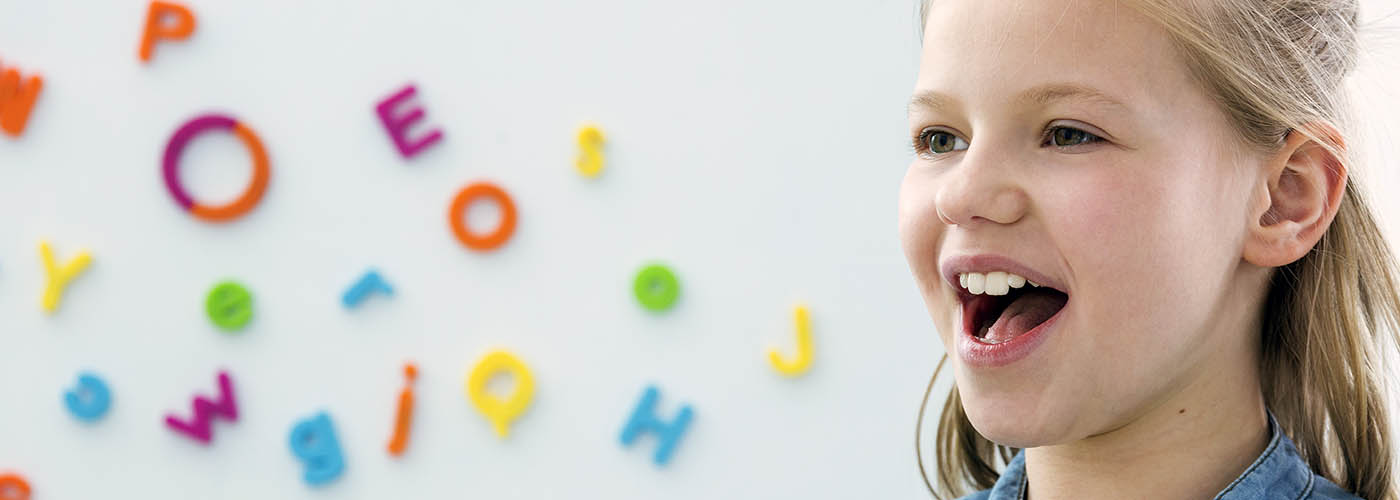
(755, 147)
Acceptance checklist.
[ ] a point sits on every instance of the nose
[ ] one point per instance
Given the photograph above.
(982, 188)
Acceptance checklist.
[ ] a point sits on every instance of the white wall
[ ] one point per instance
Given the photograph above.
(755, 146)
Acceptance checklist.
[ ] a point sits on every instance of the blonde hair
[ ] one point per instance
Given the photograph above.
(1331, 318)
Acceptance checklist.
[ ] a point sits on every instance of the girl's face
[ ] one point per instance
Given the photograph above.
(1068, 144)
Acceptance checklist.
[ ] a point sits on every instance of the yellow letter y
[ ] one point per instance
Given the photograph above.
(56, 278)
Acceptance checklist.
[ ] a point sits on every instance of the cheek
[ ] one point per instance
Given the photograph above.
(921, 234)
(919, 227)
(1147, 254)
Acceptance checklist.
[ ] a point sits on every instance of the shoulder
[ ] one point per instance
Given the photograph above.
(1280, 472)
(1327, 490)
(981, 495)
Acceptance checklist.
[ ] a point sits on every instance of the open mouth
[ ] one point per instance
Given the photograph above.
(994, 319)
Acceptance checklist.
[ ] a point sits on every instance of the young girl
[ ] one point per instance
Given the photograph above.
(1135, 226)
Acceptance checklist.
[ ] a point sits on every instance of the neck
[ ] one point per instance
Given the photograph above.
(1191, 445)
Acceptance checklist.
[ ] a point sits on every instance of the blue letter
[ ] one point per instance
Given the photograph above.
(370, 282)
(644, 419)
(314, 443)
(90, 400)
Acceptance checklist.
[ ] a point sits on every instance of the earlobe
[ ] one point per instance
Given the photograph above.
(1302, 185)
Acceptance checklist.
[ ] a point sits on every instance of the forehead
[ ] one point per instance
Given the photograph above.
(985, 51)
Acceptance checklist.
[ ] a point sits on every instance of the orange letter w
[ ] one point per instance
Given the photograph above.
(17, 100)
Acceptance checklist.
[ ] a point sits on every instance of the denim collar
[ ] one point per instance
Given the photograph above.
(1278, 473)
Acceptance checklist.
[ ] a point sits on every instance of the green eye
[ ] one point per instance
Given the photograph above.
(939, 142)
(1065, 137)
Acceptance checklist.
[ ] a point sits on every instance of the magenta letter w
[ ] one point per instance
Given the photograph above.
(205, 410)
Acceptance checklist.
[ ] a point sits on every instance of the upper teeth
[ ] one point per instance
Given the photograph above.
(993, 283)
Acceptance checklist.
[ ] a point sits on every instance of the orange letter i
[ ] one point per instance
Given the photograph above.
(405, 416)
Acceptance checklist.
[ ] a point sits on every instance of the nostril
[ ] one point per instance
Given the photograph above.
(943, 218)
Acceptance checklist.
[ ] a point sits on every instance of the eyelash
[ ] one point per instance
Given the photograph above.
(921, 141)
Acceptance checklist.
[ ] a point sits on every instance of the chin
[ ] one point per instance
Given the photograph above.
(1018, 421)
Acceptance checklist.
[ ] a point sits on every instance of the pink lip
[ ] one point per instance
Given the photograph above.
(972, 350)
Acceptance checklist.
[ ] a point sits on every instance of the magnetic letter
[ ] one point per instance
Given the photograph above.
(57, 278)
(90, 400)
(369, 283)
(17, 98)
(156, 27)
(500, 411)
(13, 487)
(456, 214)
(656, 287)
(399, 441)
(170, 168)
(199, 428)
(644, 419)
(397, 124)
(314, 443)
(590, 151)
(804, 347)
(229, 306)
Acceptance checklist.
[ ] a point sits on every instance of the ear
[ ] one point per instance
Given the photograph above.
(1301, 188)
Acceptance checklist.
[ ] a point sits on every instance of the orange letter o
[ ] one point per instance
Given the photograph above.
(456, 216)
(13, 487)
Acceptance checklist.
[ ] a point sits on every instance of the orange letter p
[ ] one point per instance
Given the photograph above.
(156, 27)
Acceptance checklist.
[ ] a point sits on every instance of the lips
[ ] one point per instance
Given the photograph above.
(1000, 329)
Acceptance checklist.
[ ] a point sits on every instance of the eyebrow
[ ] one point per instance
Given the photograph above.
(1041, 95)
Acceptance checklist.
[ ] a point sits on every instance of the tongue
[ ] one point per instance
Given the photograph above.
(1025, 313)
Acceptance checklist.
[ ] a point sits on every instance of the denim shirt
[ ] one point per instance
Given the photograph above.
(1278, 473)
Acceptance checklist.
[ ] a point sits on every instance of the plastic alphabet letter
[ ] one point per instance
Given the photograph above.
(804, 347)
(314, 443)
(464, 199)
(644, 419)
(170, 168)
(13, 487)
(199, 427)
(156, 27)
(397, 124)
(500, 412)
(90, 400)
(399, 441)
(229, 306)
(17, 98)
(590, 151)
(369, 283)
(57, 278)
(656, 287)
